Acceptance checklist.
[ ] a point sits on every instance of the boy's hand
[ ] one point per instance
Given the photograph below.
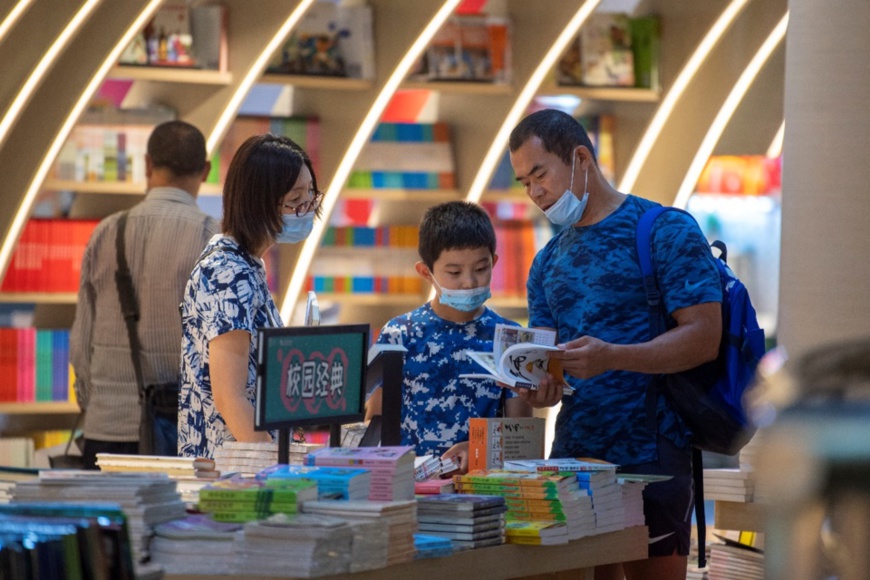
(460, 451)
(548, 393)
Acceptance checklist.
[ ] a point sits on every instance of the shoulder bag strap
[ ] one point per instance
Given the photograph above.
(129, 306)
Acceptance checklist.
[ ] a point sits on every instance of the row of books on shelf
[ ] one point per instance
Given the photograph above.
(397, 236)
(365, 284)
(34, 365)
(613, 49)
(48, 256)
(741, 174)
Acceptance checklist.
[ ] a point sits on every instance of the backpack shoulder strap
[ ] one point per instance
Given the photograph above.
(647, 267)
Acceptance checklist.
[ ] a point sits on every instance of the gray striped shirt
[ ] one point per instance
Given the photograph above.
(165, 235)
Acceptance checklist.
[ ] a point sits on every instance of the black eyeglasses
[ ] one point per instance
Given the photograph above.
(302, 208)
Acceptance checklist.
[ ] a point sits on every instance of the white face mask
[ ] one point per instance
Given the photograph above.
(296, 228)
(463, 300)
(568, 210)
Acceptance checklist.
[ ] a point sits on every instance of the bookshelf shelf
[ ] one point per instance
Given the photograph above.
(460, 87)
(171, 75)
(361, 299)
(44, 408)
(318, 82)
(509, 195)
(428, 195)
(627, 94)
(115, 187)
(38, 298)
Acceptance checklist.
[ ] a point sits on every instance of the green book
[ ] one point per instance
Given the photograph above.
(645, 46)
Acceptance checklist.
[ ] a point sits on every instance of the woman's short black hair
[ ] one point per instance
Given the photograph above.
(262, 171)
(559, 132)
(455, 225)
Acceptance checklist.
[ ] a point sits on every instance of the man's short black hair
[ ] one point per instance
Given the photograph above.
(559, 132)
(455, 225)
(178, 147)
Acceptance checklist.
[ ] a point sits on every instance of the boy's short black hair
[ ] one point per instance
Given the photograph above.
(178, 147)
(455, 225)
(559, 132)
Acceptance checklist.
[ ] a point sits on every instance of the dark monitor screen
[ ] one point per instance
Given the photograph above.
(311, 375)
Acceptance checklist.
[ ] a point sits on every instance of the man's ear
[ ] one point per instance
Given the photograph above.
(206, 170)
(149, 166)
(584, 157)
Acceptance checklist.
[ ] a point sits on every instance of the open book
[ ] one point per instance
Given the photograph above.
(519, 357)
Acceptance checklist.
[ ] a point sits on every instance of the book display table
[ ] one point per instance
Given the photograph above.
(575, 560)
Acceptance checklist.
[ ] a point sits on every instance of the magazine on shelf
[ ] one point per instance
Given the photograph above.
(519, 357)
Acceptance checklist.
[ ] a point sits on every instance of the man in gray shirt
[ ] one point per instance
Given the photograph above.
(164, 236)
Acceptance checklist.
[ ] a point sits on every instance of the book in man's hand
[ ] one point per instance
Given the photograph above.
(519, 358)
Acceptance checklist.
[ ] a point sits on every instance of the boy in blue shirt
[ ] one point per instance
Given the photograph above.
(457, 254)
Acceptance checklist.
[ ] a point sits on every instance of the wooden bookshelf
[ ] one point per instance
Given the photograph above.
(461, 87)
(372, 299)
(42, 408)
(38, 298)
(626, 94)
(318, 82)
(171, 75)
(116, 187)
(428, 195)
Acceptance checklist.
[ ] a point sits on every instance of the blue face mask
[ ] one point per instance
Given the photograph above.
(568, 210)
(463, 300)
(296, 228)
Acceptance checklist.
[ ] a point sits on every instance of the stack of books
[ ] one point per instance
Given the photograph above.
(430, 472)
(735, 560)
(246, 499)
(536, 533)
(299, 546)
(469, 521)
(606, 499)
(632, 499)
(147, 499)
(429, 546)
(729, 485)
(332, 482)
(196, 545)
(6, 489)
(190, 473)
(392, 468)
(251, 458)
(547, 497)
(400, 517)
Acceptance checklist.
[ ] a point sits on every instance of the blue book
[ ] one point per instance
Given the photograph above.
(332, 482)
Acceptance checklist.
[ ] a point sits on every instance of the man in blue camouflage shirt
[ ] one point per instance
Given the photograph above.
(587, 285)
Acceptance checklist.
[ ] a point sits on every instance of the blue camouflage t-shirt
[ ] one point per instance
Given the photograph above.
(587, 282)
(436, 403)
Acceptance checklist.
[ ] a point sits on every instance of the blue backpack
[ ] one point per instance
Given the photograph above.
(708, 398)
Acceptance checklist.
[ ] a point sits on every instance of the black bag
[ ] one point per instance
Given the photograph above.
(158, 424)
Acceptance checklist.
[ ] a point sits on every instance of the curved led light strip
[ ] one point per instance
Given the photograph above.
(651, 135)
(43, 66)
(13, 17)
(253, 74)
(309, 247)
(60, 138)
(496, 150)
(775, 149)
(727, 111)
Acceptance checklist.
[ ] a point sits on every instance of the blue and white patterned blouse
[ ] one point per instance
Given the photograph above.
(436, 403)
(227, 291)
(587, 281)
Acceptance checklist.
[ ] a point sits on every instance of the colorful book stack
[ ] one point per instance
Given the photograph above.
(34, 365)
(304, 131)
(299, 546)
(468, 520)
(431, 475)
(48, 257)
(406, 156)
(196, 544)
(429, 546)
(536, 533)
(332, 482)
(251, 458)
(245, 499)
(735, 560)
(399, 516)
(56, 540)
(535, 497)
(606, 499)
(147, 499)
(359, 259)
(106, 153)
(190, 474)
(392, 468)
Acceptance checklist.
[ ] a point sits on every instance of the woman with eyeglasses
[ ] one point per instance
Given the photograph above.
(270, 196)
